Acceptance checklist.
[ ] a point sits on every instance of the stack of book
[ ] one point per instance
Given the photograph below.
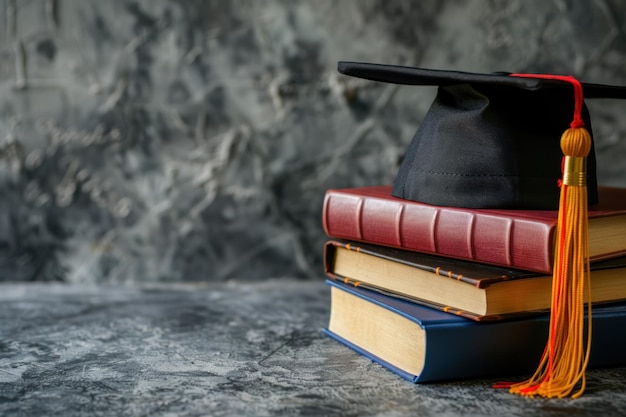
(436, 293)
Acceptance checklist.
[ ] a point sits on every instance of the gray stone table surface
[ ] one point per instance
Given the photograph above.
(222, 349)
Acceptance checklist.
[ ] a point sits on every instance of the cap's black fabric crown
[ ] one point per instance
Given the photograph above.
(488, 140)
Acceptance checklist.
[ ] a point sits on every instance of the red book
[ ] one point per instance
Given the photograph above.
(520, 239)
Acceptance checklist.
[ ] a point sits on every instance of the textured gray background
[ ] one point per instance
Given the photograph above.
(163, 140)
(225, 349)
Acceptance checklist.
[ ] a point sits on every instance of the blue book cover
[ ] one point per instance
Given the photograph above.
(453, 347)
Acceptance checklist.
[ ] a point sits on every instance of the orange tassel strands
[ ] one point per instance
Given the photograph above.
(561, 371)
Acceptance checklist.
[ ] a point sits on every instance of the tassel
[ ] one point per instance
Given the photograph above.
(561, 371)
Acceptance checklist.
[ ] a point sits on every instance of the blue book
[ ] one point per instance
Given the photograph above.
(422, 344)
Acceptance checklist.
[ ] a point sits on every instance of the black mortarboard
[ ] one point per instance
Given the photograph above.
(513, 141)
(488, 140)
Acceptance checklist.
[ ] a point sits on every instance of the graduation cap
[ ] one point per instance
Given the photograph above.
(488, 140)
(513, 141)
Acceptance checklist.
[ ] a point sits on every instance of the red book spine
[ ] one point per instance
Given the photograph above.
(520, 243)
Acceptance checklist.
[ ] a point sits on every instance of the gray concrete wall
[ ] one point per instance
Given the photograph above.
(162, 140)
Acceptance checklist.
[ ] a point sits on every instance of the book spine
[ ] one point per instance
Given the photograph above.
(462, 234)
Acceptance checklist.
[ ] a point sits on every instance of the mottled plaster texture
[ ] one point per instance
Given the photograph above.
(168, 141)
(224, 349)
